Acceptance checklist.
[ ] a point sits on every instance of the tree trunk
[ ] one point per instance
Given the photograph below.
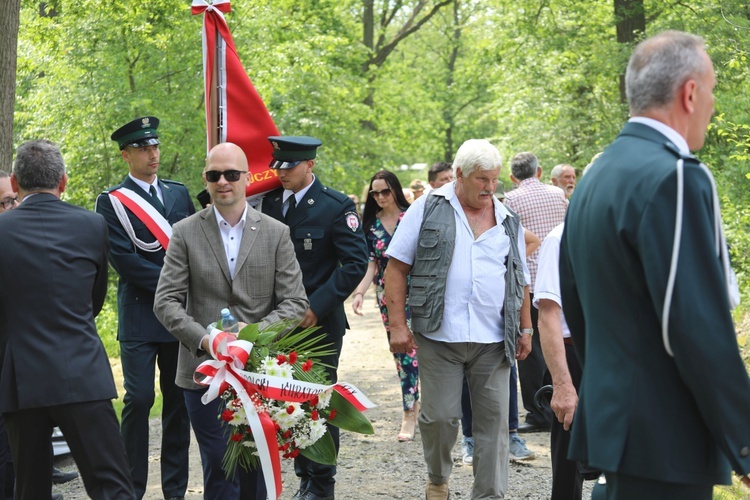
(630, 21)
(10, 11)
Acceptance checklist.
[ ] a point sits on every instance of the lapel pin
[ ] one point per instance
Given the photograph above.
(310, 201)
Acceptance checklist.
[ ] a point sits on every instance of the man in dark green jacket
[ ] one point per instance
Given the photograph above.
(665, 398)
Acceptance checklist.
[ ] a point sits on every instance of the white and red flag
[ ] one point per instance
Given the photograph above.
(234, 110)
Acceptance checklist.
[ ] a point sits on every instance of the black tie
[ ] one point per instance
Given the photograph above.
(158, 202)
(290, 209)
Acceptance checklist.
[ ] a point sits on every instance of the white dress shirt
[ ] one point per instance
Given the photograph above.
(146, 187)
(231, 237)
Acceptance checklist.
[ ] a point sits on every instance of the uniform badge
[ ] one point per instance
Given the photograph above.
(146, 123)
(308, 243)
(352, 220)
(275, 145)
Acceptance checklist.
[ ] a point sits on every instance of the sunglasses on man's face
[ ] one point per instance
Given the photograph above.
(229, 175)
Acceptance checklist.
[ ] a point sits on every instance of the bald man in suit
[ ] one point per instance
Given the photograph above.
(227, 255)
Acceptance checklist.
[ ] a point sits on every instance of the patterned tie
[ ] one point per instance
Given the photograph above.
(290, 209)
(158, 202)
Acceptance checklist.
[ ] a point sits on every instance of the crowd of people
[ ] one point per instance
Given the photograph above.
(624, 309)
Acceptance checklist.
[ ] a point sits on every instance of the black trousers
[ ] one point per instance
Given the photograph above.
(566, 477)
(139, 361)
(531, 375)
(314, 477)
(93, 434)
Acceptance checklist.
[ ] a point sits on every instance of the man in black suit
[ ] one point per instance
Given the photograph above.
(53, 366)
(139, 213)
(645, 283)
(332, 252)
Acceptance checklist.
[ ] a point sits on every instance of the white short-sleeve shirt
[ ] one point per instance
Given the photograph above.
(548, 273)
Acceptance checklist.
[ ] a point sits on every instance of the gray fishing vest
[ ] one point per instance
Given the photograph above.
(429, 274)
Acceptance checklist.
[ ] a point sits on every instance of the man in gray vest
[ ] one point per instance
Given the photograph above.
(469, 300)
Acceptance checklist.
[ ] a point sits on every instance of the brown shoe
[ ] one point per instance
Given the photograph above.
(437, 491)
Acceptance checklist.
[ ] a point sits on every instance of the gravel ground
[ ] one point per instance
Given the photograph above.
(375, 466)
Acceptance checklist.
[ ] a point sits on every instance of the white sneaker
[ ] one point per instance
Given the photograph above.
(518, 450)
(467, 449)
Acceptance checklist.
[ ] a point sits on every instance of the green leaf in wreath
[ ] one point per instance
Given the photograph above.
(348, 417)
(322, 452)
(249, 333)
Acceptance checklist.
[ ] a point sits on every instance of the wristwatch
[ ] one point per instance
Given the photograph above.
(527, 331)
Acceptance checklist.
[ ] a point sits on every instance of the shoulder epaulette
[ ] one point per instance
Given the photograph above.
(336, 195)
(169, 181)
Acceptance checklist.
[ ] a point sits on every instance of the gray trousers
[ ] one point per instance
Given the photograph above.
(442, 367)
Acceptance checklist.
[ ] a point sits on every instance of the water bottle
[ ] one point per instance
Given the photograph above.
(229, 323)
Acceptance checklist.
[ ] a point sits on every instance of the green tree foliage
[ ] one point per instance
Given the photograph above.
(382, 83)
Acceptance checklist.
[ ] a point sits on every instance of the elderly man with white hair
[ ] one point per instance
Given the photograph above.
(469, 300)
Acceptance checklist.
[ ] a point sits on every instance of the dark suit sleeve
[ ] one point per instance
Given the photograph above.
(99, 292)
(351, 251)
(701, 330)
(123, 256)
(571, 302)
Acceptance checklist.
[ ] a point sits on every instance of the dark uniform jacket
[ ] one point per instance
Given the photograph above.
(53, 268)
(330, 247)
(642, 412)
(139, 269)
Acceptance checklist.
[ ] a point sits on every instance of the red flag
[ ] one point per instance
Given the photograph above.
(234, 110)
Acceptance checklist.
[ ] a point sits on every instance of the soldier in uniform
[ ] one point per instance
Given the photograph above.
(332, 253)
(139, 213)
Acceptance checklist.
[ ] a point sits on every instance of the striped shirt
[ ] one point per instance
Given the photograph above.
(541, 208)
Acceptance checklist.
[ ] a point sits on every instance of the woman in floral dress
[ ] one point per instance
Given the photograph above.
(384, 209)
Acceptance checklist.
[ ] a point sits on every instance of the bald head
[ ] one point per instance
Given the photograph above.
(226, 176)
(228, 154)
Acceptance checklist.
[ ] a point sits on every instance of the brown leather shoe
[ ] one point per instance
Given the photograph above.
(437, 491)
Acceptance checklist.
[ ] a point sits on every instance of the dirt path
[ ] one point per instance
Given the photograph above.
(375, 466)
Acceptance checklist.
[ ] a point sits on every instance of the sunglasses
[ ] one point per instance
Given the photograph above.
(283, 165)
(229, 175)
(385, 193)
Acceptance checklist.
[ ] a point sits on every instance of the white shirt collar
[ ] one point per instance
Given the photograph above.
(220, 219)
(299, 194)
(665, 130)
(145, 185)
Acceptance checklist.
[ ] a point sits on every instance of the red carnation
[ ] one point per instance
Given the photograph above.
(292, 357)
(290, 409)
(307, 365)
(314, 415)
(287, 434)
(294, 453)
(227, 415)
(280, 359)
(237, 437)
(332, 415)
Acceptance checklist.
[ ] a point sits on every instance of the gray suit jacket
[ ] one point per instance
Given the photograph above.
(195, 283)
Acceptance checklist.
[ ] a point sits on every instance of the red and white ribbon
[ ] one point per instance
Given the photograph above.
(227, 369)
(146, 213)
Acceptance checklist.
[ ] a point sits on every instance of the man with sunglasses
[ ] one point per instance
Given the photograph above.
(226, 255)
(139, 213)
(332, 252)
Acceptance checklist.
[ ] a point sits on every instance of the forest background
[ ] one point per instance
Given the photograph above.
(383, 83)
